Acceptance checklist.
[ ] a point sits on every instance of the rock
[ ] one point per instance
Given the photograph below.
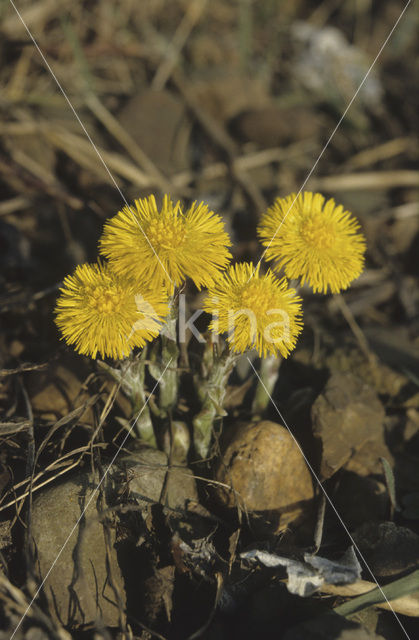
(78, 588)
(377, 375)
(273, 126)
(57, 391)
(264, 466)
(367, 460)
(145, 557)
(226, 95)
(144, 472)
(159, 124)
(396, 348)
(345, 416)
(360, 498)
(390, 550)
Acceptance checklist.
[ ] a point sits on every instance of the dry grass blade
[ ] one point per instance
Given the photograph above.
(76, 413)
(25, 127)
(81, 151)
(355, 328)
(32, 14)
(16, 605)
(23, 299)
(242, 163)
(13, 204)
(238, 78)
(192, 16)
(31, 176)
(389, 149)
(371, 180)
(367, 300)
(23, 367)
(57, 464)
(132, 148)
(220, 138)
(11, 428)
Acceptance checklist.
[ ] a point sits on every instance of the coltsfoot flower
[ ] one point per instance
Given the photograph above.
(314, 240)
(101, 312)
(256, 311)
(167, 246)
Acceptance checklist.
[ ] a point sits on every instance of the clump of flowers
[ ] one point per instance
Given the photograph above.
(100, 312)
(112, 308)
(166, 246)
(255, 310)
(314, 240)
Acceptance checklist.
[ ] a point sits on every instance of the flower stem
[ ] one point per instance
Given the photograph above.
(212, 392)
(130, 375)
(169, 383)
(268, 375)
(143, 424)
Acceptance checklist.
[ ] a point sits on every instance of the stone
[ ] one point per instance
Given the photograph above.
(390, 550)
(158, 122)
(379, 376)
(57, 391)
(360, 498)
(366, 461)
(144, 471)
(273, 126)
(78, 588)
(230, 93)
(266, 473)
(345, 416)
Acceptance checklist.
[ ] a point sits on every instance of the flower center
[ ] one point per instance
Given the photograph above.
(106, 300)
(318, 234)
(165, 234)
(255, 296)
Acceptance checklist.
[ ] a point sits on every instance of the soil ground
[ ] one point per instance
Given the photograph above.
(234, 104)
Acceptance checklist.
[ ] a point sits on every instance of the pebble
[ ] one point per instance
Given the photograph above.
(268, 473)
(78, 588)
(345, 416)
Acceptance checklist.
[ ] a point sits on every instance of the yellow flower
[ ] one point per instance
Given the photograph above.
(255, 310)
(101, 312)
(314, 240)
(164, 247)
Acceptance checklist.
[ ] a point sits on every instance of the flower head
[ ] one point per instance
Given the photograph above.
(164, 247)
(255, 310)
(101, 312)
(314, 240)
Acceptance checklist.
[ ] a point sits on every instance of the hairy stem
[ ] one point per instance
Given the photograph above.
(212, 391)
(169, 383)
(269, 368)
